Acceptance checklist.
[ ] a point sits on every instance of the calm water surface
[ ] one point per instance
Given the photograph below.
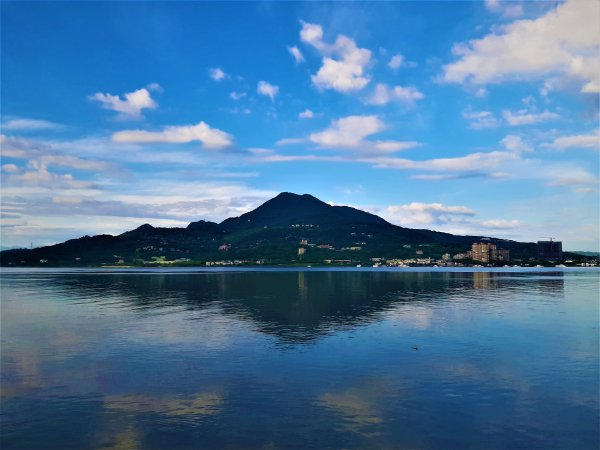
(299, 359)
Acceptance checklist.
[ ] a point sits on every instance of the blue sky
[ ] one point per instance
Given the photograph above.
(466, 117)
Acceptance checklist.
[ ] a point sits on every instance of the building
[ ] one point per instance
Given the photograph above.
(550, 250)
(486, 252)
(502, 255)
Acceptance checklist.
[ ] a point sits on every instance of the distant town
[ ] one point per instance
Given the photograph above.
(483, 253)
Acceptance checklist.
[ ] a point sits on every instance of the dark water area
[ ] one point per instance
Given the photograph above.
(299, 359)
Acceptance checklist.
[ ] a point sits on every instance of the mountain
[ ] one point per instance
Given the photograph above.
(271, 233)
(291, 209)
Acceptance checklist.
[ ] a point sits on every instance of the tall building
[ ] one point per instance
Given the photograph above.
(486, 252)
(550, 250)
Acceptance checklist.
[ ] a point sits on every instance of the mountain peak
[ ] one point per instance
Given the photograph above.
(145, 227)
(287, 209)
(293, 196)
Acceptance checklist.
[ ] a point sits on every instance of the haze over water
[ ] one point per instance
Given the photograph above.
(300, 359)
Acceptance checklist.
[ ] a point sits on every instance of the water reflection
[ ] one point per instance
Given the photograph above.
(299, 359)
(362, 407)
(294, 306)
(201, 404)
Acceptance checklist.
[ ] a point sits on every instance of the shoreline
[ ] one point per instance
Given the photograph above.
(202, 269)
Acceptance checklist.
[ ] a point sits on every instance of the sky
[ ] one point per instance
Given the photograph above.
(466, 117)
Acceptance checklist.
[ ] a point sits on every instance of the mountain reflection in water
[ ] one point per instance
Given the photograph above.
(310, 359)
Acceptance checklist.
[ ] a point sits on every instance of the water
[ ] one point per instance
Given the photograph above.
(299, 359)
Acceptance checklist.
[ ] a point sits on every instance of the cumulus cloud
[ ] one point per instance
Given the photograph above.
(343, 63)
(267, 89)
(210, 138)
(9, 168)
(384, 94)
(437, 216)
(306, 114)
(426, 213)
(128, 108)
(515, 143)
(565, 41)
(350, 133)
(395, 61)
(22, 124)
(591, 141)
(155, 87)
(296, 53)
(217, 74)
(506, 8)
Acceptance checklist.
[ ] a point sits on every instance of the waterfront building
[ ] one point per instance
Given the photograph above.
(486, 252)
(550, 250)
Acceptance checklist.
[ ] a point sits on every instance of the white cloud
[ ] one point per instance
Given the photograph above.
(129, 108)
(267, 89)
(451, 219)
(9, 168)
(290, 141)
(479, 120)
(346, 73)
(515, 143)
(39, 154)
(155, 87)
(237, 95)
(591, 141)
(217, 74)
(500, 223)
(492, 165)
(506, 8)
(417, 214)
(525, 117)
(383, 94)
(395, 61)
(312, 34)
(296, 53)
(306, 114)
(481, 92)
(243, 111)
(565, 41)
(22, 124)
(211, 138)
(350, 133)
(51, 215)
(492, 5)
(44, 178)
